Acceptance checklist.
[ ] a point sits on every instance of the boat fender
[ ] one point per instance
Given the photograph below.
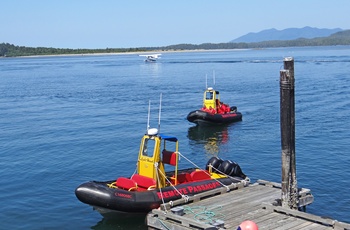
(215, 162)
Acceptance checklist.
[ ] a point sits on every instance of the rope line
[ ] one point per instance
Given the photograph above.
(244, 181)
(205, 214)
(160, 187)
(227, 188)
(162, 223)
(185, 197)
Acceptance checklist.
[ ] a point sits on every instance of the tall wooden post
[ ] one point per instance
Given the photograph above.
(290, 196)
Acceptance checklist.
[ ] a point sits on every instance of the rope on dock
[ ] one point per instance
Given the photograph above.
(162, 223)
(206, 215)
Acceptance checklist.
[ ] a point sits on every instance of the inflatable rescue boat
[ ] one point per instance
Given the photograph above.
(158, 180)
(214, 111)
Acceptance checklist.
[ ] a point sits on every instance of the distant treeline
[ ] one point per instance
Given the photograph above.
(340, 38)
(10, 50)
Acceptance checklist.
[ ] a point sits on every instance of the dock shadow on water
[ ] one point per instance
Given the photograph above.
(210, 137)
(122, 221)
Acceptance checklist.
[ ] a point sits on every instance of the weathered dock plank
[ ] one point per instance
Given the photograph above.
(259, 202)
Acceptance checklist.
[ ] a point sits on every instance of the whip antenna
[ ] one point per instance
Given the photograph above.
(160, 110)
(206, 81)
(214, 76)
(149, 114)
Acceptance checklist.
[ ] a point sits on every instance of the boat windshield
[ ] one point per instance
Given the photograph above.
(209, 95)
(148, 147)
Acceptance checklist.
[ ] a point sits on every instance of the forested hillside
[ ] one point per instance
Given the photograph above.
(339, 38)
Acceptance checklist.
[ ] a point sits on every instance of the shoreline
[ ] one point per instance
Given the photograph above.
(127, 53)
(159, 51)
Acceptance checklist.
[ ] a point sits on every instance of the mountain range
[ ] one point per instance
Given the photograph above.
(286, 34)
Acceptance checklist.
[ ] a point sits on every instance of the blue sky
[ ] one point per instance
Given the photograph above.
(131, 23)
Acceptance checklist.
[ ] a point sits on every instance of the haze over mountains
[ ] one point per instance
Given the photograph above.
(286, 34)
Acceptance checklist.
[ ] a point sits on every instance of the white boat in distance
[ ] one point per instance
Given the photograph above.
(150, 57)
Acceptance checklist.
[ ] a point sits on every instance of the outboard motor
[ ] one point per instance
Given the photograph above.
(215, 162)
(237, 171)
(226, 167)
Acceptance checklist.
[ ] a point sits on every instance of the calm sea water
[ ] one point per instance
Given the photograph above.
(67, 120)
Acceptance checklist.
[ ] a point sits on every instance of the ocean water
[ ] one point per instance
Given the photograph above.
(68, 120)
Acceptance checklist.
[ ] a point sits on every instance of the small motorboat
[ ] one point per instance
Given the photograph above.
(158, 180)
(214, 111)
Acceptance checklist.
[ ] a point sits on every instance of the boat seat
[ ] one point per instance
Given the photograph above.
(183, 178)
(126, 184)
(200, 175)
(143, 182)
(169, 157)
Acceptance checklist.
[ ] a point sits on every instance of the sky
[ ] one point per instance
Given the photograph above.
(93, 24)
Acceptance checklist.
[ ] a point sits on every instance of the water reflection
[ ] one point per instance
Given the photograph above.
(153, 69)
(122, 221)
(210, 137)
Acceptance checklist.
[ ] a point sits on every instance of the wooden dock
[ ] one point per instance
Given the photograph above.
(268, 204)
(219, 209)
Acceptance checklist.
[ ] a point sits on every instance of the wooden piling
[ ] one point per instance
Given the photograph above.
(289, 196)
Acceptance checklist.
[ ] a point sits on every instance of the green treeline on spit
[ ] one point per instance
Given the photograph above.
(10, 50)
(340, 38)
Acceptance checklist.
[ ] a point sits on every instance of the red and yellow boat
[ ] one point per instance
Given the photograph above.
(214, 111)
(157, 179)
